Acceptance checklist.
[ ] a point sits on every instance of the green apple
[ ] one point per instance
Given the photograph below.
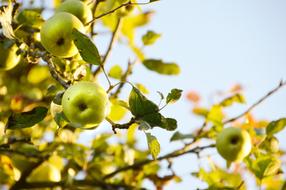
(233, 144)
(8, 57)
(85, 104)
(56, 34)
(77, 8)
(46, 172)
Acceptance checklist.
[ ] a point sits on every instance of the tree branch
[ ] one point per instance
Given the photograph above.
(281, 84)
(123, 79)
(54, 72)
(173, 154)
(110, 46)
(115, 9)
(77, 183)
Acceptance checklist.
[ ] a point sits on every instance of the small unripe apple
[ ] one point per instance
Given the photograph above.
(56, 34)
(233, 144)
(85, 104)
(77, 8)
(8, 57)
(46, 172)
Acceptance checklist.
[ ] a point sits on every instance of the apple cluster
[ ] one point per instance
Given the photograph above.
(56, 32)
(84, 104)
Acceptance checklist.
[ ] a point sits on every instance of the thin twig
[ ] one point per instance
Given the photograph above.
(240, 185)
(55, 74)
(281, 84)
(173, 154)
(124, 79)
(106, 76)
(77, 183)
(110, 46)
(115, 9)
(121, 126)
(96, 3)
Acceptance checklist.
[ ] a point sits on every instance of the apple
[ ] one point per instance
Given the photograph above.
(56, 34)
(85, 104)
(8, 56)
(46, 172)
(233, 144)
(77, 8)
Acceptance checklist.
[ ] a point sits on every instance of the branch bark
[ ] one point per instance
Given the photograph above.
(258, 102)
(173, 154)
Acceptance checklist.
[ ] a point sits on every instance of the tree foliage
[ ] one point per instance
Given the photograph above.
(34, 131)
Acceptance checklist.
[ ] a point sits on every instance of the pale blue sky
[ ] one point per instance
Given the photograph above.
(217, 43)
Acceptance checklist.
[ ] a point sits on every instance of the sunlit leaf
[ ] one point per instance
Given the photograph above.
(38, 74)
(30, 17)
(142, 88)
(117, 112)
(161, 67)
(115, 72)
(153, 144)
(26, 119)
(276, 126)
(6, 20)
(231, 180)
(150, 38)
(131, 23)
(264, 165)
(237, 98)
(215, 115)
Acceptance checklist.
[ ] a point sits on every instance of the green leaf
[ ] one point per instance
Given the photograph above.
(142, 88)
(30, 18)
(179, 136)
(158, 120)
(264, 166)
(150, 38)
(237, 98)
(58, 97)
(276, 126)
(140, 105)
(161, 67)
(86, 48)
(153, 119)
(61, 119)
(170, 124)
(26, 119)
(174, 95)
(115, 72)
(213, 177)
(153, 144)
(215, 115)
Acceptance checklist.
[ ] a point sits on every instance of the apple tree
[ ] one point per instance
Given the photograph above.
(51, 91)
